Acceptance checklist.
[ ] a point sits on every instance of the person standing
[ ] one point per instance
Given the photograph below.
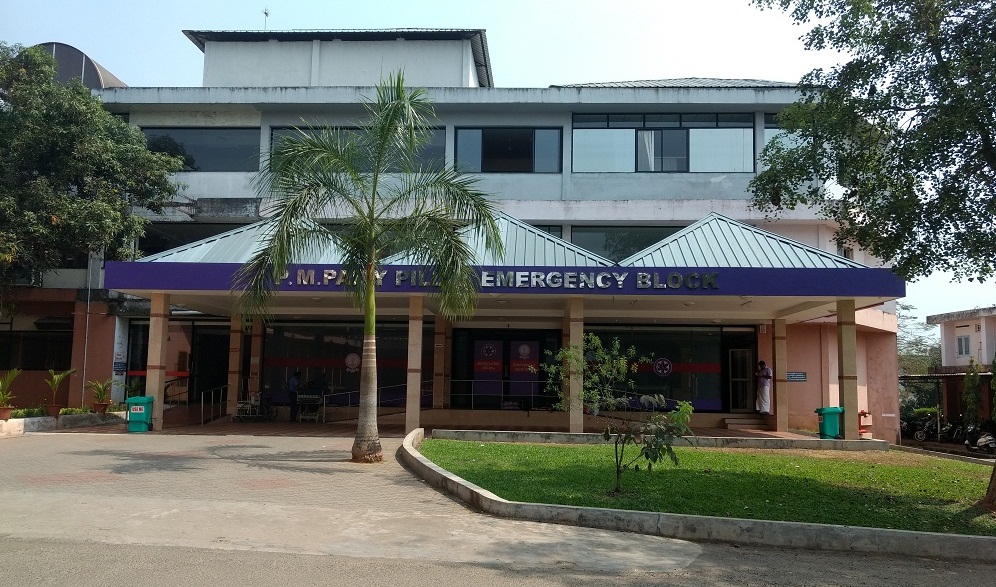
(763, 403)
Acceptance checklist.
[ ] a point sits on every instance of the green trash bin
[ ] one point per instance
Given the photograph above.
(139, 413)
(830, 421)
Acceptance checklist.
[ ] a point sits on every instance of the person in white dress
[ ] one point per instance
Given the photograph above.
(763, 403)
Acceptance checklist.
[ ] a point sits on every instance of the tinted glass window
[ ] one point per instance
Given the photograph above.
(721, 149)
(606, 150)
(618, 242)
(468, 149)
(496, 150)
(36, 350)
(547, 151)
(208, 149)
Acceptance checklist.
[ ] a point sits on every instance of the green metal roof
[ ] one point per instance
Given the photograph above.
(234, 246)
(718, 241)
(525, 245)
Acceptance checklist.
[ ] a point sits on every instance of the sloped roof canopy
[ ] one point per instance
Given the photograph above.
(716, 271)
(718, 241)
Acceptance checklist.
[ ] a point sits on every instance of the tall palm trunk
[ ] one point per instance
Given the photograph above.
(366, 445)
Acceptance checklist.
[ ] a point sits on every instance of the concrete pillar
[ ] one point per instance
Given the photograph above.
(255, 354)
(574, 320)
(439, 362)
(780, 397)
(234, 365)
(155, 367)
(847, 371)
(413, 405)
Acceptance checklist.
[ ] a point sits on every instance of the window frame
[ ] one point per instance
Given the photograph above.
(254, 157)
(658, 122)
(480, 168)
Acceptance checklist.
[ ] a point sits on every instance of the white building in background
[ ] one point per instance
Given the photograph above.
(625, 212)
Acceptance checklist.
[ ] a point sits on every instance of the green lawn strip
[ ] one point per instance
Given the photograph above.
(875, 489)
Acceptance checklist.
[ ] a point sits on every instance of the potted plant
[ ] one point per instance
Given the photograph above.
(6, 380)
(54, 381)
(101, 393)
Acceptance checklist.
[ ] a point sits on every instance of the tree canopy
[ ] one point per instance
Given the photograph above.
(71, 173)
(896, 144)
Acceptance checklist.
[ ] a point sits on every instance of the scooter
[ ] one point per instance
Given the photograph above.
(978, 440)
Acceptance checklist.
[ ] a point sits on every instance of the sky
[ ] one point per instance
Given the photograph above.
(532, 43)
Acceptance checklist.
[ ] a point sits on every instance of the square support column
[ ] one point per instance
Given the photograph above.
(255, 355)
(847, 366)
(234, 365)
(155, 366)
(574, 333)
(413, 403)
(440, 339)
(780, 387)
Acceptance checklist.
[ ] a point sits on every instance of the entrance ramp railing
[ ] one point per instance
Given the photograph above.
(213, 404)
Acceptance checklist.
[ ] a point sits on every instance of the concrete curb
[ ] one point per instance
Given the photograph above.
(702, 528)
(19, 426)
(700, 441)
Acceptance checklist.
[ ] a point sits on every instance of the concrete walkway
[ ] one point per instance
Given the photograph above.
(281, 494)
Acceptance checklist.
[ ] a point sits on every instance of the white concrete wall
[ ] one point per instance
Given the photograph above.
(337, 63)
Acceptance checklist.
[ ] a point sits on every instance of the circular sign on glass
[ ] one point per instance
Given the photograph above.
(488, 350)
(352, 362)
(662, 367)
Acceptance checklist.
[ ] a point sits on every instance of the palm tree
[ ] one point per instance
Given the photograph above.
(367, 180)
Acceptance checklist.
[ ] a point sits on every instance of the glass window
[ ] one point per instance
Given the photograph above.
(508, 150)
(695, 357)
(547, 155)
(698, 120)
(625, 120)
(663, 120)
(34, 350)
(208, 149)
(662, 150)
(721, 150)
(735, 120)
(591, 120)
(664, 143)
(618, 242)
(964, 346)
(468, 149)
(605, 150)
(555, 229)
(431, 157)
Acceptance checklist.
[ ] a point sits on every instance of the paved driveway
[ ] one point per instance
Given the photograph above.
(295, 495)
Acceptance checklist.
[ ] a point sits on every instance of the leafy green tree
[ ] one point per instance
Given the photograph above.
(608, 391)
(71, 173)
(353, 177)
(971, 395)
(919, 350)
(898, 143)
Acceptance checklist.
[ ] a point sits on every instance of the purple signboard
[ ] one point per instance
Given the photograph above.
(488, 364)
(649, 281)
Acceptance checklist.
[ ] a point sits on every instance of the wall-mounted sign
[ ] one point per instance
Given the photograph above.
(663, 367)
(795, 376)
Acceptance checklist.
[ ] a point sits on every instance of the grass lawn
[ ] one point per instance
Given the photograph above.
(877, 489)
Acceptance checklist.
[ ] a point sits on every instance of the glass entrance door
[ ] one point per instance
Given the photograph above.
(741, 367)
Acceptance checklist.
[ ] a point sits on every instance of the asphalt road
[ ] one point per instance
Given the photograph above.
(81, 509)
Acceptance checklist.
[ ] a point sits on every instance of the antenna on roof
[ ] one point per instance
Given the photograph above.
(266, 15)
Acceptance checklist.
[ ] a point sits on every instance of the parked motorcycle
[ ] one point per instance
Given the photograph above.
(977, 439)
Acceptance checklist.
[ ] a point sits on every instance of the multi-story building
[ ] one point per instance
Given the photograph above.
(625, 213)
(966, 335)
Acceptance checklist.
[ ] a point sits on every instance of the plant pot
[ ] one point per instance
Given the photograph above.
(5, 412)
(52, 410)
(100, 407)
